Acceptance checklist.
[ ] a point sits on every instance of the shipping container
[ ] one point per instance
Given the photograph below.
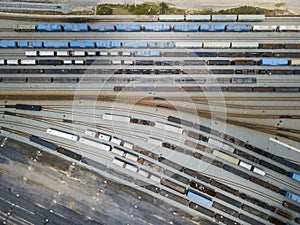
(197, 18)
(251, 18)
(56, 44)
(157, 27)
(128, 27)
(223, 18)
(171, 18)
(186, 27)
(188, 44)
(76, 27)
(49, 27)
(102, 27)
(82, 44)
(212, 27)
(238, 28)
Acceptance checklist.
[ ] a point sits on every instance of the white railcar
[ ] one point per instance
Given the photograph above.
(67, 62)
(91, 53)
(128, 62)
(116, 62)
(154, 178)
(143, 173)
(154, 141)
(62, 134)
(131, 167)
(259, 171)
(103, 53)
(169, 127)
(28, 62)
(46, 53)
(104, 137)
(173, 18)
(251, 18)
(214, 44)
(118, 162)
(118, 118)
(31, 53)
(62, 53)
(116, 141)
(244, 44)
(2, 62)
(131, 156)
(126, 53)
(90, 133)
(220, 144)
(128, 145)
(189, 44)
(288, 28)
(223, 18)
(245, 165)
(79, 62)
(94, 144)
(295, 62)
(114, 54)
(78, 53)
(12, 62)
(197, 18)
(117, 152)
(264, 28)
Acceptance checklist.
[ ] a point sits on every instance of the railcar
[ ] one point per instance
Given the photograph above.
(223, 18)
(199, 198)
(170, 184)
(219, 44)
(225, 209)
(212, 28)
(255, 212)
(42, 142)
(250, 220)
(229, 200)
(28, 107)
(62, 134)
(118, 118)
(69, 153)
(171, 18)
(157, 27)
(76, 27)
(94, 144)
(128, 27)
(226, 157)
(169, 127)
(102, 27)
(186, 27)
(292, 196)
(49, 27)
(237, 172)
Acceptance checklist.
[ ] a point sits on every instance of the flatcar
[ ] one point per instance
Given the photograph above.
(62, 134)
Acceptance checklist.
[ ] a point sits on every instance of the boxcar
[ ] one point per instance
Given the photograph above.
(170, 184)
(62, 134)
(199, 198)
(69, 153)
(42, 142)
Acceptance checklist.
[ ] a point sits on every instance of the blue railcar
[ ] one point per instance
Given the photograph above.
(295, 176)
(22, 44)
(186, 27)
(56, 44)
(274, 62)
(157, 27)
(8, 44)
(147, 53)
(212, 27)
(135, 44)
(35, 44)
(49, 27)
(238, 28)
(76, 27)
(102, 27)
(196, 197)
(103, 44)
(82, 44)
(116, 44)
(42, 142)
(161, 44)
(292, 196)
(128, 27)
